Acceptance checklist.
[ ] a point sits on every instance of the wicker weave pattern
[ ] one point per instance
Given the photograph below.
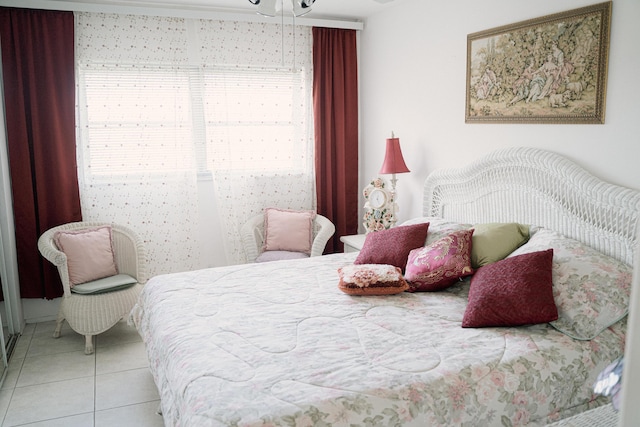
(252, 234)
(538, 187)
(90, 315)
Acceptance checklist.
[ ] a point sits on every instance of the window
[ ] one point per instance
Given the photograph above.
(167, 118)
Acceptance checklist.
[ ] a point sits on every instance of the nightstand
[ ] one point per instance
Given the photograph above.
(353, 243)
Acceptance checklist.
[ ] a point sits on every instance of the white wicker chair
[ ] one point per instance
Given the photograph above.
(93, 314)
(252, 233)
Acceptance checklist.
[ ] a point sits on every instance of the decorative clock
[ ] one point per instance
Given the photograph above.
(380, 206)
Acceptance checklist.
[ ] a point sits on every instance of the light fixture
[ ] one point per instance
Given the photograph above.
(393, 163)
(266, 7)
(301, 7)
(269, 7)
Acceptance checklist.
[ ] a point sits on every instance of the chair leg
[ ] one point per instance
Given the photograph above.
(59, 322)
(88, 346)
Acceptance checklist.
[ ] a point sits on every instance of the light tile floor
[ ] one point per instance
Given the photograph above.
(51, 382)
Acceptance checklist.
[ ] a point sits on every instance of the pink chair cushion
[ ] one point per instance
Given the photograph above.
(89, 253)
(288, 230)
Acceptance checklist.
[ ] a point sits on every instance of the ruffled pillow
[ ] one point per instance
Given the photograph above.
(440, 264)
(371, 279)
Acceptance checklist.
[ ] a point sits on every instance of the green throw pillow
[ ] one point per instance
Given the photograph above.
(495, 241)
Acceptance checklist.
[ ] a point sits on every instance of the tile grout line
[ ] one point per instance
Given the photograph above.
(13, 387)
(95, 379)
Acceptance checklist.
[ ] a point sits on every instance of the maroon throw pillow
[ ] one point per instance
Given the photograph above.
(440, 264)
(512, 292)
(392, 246)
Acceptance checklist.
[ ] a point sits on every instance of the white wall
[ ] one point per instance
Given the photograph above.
(413, 78)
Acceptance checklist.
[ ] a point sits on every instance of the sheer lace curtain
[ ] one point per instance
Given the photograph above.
(264, 149)
(161, 113)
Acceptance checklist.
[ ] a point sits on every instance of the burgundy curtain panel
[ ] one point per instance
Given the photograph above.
(335, 101)
(39, 90)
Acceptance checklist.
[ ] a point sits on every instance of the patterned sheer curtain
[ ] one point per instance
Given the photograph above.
(166, 105)
(261, 132)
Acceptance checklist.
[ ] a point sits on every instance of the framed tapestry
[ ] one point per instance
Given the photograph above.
(551, 69)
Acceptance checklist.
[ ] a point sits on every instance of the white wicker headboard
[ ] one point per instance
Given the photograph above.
(534, 186)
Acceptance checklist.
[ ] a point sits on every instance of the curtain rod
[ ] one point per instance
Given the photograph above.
(193, 12)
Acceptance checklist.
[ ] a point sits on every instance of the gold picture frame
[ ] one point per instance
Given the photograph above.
(551, 69)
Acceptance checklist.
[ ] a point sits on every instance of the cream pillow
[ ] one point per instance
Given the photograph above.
(495, 241)
(89, 253)
(288, 230)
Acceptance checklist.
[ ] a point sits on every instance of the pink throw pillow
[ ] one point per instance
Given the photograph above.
(512, 292)
(392, 246)
(288, 230)
(441, 264)
(89, 253)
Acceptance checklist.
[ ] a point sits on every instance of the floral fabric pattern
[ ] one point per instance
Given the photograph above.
(314, 356)
(591, 289)
(440, 264)
(371, 279)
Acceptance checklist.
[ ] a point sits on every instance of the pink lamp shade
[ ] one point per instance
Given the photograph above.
(393, 160)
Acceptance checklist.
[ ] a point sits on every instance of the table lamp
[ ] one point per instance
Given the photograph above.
(393, 164)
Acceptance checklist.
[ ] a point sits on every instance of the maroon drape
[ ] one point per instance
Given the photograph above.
(39, 90)
(335, 100)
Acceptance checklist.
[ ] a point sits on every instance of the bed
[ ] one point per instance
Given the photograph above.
(277, 344)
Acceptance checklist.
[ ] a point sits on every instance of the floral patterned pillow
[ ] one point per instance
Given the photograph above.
(440, 264)
(371, 279)
(591, 290)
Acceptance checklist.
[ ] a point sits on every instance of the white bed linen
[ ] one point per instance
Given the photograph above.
(277, 344)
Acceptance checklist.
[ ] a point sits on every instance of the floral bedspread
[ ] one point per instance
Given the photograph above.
(278, 344)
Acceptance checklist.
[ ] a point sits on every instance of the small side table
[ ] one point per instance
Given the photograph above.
(353, 243)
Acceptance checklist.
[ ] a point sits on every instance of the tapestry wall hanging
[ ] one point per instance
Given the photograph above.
(551, 69)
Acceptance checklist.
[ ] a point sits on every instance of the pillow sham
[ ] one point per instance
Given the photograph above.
(438, 227)
(89, 253)
(440, 264)
(591, 289)
(371, 279)
(495, 241)
(392, 246)
(512, 292)
(288, 230)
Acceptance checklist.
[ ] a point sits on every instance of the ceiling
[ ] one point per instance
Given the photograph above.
(321, 9)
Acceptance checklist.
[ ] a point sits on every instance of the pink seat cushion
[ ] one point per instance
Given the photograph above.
(280, 255)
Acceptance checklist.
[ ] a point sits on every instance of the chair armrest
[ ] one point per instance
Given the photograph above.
(325, 229)
(252, 236)
(129, 253)
(51, 253)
